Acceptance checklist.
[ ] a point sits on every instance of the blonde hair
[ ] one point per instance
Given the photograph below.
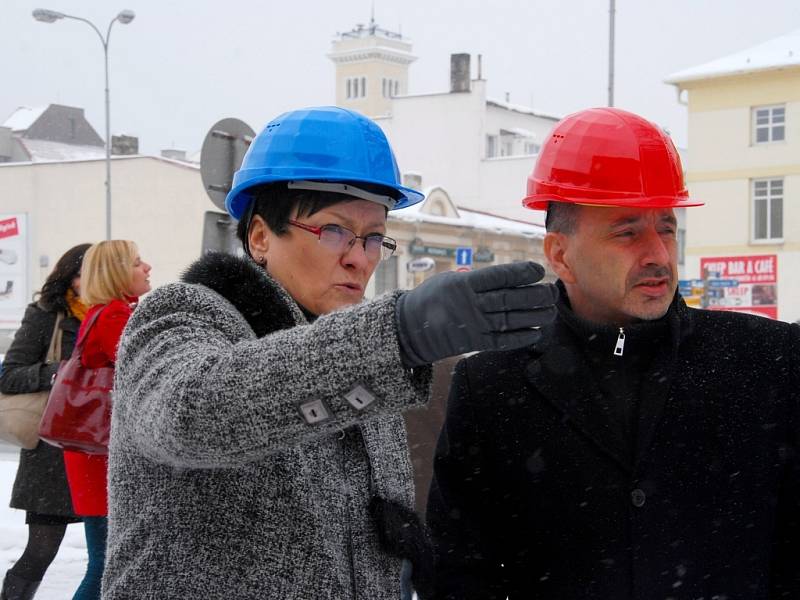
(107, 271)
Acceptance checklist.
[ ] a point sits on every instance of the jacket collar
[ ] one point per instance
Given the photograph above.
(264, 304)
(560, 372)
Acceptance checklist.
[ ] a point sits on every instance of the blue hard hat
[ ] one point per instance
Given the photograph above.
(325, 144)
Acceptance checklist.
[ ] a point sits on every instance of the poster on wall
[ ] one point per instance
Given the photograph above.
(13, 269)
(742, 283)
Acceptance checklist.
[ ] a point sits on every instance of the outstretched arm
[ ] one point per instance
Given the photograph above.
(192, 391)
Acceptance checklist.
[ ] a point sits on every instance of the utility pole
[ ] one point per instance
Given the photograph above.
(611, 13)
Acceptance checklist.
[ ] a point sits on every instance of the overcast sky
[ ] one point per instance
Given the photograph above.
(182, 65)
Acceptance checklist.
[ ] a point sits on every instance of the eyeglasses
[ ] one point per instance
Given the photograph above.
(340, 239)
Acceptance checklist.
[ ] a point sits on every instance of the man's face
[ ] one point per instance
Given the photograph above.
(620, 265)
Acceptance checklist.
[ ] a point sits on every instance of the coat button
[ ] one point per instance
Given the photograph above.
(638, 497)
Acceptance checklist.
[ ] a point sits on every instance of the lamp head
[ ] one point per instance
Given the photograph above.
(126, 16)
(47, 16)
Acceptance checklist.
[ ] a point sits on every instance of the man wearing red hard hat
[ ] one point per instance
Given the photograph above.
(643, 449)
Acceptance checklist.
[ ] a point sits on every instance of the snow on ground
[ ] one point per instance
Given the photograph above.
(66, 572)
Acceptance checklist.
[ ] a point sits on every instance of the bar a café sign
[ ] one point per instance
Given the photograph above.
(757, 279)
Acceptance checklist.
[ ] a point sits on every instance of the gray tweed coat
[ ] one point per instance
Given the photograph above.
(246, 444)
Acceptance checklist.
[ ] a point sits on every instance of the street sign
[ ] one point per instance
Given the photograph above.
(464, 256)
(419, 265)
(723, 283)
(483, 255)
(417, 248)
(223, 150)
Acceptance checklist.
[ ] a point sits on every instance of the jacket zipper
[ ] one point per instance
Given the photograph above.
(620, 347)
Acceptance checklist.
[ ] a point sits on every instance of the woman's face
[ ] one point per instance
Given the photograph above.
(318, 278)
(76, 284)
(140, 283)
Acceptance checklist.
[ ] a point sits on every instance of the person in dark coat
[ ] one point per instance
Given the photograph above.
(642, 449)
(40, 487)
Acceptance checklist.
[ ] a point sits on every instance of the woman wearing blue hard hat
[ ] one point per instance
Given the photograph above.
(257, 446)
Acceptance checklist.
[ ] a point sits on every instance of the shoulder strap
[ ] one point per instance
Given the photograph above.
(82, 339)
(54, 351)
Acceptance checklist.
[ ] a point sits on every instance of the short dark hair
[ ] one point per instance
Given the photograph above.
(275, 202)
(53, 296)
(562, 217)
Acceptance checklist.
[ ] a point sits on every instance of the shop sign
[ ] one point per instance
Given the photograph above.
(742, 283)
(420, 265)
(417, 249)
(483, 255)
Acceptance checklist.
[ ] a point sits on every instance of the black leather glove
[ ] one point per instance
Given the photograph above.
(495, 308)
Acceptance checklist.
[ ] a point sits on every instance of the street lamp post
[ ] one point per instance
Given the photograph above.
(125, 16)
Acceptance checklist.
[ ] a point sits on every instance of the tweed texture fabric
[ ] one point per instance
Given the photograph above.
(218, 485)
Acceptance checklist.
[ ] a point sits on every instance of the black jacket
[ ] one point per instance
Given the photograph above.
(535, 497)
(41, 482)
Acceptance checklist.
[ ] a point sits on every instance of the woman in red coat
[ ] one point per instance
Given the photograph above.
(113, 277)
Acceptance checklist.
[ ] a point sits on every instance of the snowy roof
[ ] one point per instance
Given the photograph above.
(778, 53)
(43, 150)
(518, 131)
(475, 219)
(520, 108)
(22, 118)
(526, 110)
(78, 157)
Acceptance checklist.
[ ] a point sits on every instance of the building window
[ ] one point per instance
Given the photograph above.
(386, 276)
(389, 88)
(356, 87)
(769, 124)
(491, 146)
(531, 148)
(767, 209)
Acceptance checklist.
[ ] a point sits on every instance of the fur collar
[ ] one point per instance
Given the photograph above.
(258, 297)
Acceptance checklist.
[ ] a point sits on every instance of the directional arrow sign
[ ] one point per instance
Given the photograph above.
(464, 256)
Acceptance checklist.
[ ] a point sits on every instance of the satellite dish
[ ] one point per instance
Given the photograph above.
(221, 155)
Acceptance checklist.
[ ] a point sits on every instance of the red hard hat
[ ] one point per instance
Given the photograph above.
(607, 157)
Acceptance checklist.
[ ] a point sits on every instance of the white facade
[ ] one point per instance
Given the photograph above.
(158, 203)
(447, 138)
(480, 150)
